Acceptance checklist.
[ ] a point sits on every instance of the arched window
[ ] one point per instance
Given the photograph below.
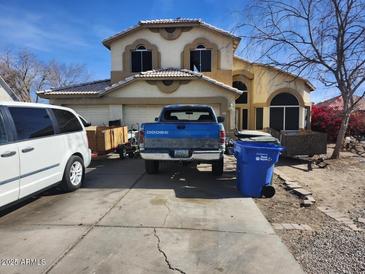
(141, 59)
(284, 112)
(201, 59)
(241, 86)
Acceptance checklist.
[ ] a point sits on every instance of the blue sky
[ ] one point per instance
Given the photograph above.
(72, 31)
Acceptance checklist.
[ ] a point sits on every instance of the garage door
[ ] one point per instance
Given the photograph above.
(135, 115)
(97, 115)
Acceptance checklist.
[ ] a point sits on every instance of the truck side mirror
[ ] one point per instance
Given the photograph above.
(220, 119)
(156, 119)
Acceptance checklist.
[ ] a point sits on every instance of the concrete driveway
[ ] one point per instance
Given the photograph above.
(125, 221)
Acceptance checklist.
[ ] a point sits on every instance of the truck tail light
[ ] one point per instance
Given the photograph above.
(222, 137)
(141, 137)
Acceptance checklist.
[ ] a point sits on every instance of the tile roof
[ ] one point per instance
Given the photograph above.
(308, 83)
(102, 87)
(183, 21)
(337, 103)
(174, 21)
(169, 73)
(94, 87)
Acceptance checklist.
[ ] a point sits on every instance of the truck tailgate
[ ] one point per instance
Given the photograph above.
(181, 136)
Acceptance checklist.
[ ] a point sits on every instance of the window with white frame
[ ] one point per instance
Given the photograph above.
(284, 112)
(141, 59)
(201, 59)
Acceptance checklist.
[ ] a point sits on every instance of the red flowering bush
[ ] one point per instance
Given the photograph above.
(325, 119)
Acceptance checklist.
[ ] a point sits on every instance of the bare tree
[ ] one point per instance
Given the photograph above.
(60, 75)
(25, 73)
(320, 39)
(21, 71)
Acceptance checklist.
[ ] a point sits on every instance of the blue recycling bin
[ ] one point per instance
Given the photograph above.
(255, 166)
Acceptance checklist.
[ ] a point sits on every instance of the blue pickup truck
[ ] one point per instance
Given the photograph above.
(184, 133)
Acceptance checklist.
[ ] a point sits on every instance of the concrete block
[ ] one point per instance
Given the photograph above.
(288, 226)
(302, 192)
(323, 209)
(277, 226)
(337, 215)
(285, 178)
(306, 203)
(310, 198)
(354, 227)
(344, 220)
(361, 220)
(307, 227)
(293, 185)
(298, 226)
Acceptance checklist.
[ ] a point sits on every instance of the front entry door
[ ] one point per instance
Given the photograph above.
(241, 121)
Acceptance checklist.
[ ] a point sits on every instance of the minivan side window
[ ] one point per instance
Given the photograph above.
(31, 122)
(3, 135)
(67, 121)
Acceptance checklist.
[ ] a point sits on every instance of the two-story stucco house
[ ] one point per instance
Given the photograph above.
(187, 61)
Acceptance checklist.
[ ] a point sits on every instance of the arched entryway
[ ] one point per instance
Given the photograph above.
(284, 112)
(241, 106)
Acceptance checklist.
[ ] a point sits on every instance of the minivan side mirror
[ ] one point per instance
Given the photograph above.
(220, 119)
(156, 119)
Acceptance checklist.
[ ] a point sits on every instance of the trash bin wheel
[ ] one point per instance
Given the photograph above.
(217, 167)
(268, 191)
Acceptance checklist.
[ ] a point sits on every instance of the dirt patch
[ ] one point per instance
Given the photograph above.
(285, 207)
(341, 185)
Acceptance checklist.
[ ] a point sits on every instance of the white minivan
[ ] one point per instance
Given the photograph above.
(40, 146)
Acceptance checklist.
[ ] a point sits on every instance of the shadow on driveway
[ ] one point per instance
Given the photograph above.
(188, 181)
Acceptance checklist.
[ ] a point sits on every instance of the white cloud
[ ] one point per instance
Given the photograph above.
(38, 31)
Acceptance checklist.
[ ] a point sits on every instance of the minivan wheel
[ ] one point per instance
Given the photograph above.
(217, 167)
(74, 174)
(151, 166)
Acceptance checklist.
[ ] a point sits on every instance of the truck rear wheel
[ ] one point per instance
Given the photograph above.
(151, 166)
(217, 167)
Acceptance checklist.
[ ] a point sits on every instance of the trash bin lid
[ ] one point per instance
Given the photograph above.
(250, 133)
(259, 145)
(262, 139)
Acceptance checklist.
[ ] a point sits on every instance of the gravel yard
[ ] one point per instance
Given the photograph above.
(330, 248)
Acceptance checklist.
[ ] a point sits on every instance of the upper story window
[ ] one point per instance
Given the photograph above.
(241, 86)
(201, 59)
(141, 59)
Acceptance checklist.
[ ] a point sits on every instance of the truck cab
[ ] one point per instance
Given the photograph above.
(184, 133)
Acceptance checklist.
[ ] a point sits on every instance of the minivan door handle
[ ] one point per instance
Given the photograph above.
(27, 149)
(181, 127)
(8, 154)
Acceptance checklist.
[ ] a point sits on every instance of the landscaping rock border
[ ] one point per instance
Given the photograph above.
(338, 216)
(293, 186)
